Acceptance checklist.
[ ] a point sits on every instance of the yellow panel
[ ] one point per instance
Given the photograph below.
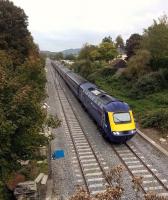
(121, 127)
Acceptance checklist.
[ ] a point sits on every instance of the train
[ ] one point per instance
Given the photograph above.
(113, 116)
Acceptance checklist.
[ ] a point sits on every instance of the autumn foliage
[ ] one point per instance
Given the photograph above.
(22, 84)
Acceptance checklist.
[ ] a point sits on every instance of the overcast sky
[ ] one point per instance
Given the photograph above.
(62, 24)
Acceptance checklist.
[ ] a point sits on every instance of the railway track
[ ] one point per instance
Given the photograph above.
(90, 168)
(136, 165)
(93, 169)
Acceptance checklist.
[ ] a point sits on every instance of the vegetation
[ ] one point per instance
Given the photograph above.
(93, 58)
(33, 169)
(22, 91)
(69, 54)
(132, 44)
(57, 56)
(155, 37)
(69, 57)
(143, 84)
(119, 41)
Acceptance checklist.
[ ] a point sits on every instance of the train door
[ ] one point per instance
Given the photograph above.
(81, 94)
(105, 121)
(83, 97)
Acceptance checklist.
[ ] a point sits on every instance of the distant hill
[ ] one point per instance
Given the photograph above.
(48, 53)
(71, 51)
(65, 52)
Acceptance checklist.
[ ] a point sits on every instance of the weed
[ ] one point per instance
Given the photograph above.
(137, 182)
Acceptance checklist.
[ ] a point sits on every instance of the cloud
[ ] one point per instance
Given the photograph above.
(61, 24)
(70, 39)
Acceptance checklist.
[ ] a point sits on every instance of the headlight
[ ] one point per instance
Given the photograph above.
(133, 131)
(116, 133)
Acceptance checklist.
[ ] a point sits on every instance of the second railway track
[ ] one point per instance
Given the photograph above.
(137, 166)
(93, 168)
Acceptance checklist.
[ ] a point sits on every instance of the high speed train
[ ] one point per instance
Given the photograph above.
(113, 116)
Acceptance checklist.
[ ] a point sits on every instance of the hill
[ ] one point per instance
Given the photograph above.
(71, 51)
(65, 52)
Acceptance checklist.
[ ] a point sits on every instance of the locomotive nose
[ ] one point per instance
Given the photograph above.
(121, 122)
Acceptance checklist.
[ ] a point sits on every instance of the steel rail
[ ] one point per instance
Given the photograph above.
(145, 165)
(79, 162)
(71, 135)
(126, 166)
(120, 157)
(90, 145)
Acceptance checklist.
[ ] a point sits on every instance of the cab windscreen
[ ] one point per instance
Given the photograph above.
(121, 118)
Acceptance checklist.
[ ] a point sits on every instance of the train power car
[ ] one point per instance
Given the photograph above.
(113, 116)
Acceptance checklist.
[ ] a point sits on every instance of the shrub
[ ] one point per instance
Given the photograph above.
(102, 73)
(149, 83)
(156, 119)
(83, 67)
(138, 65)
(157, 63)
(160, 98)
(107, 71)
(164, 74)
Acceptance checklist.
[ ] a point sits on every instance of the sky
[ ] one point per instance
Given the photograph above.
(62, 24)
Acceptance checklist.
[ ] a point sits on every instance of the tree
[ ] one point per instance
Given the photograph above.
(139, 64)
(95, 55)
(58, 56)
(14, 35)
(133, 44)
(89, 52)
(22, 90)
(155, 40)
(119, 42)
(70, 57)
(107, 51)
(107, 39)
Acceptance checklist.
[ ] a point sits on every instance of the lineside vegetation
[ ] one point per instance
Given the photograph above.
(22, 93)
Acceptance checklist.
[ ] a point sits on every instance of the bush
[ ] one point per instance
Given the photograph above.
(149, 83)
(164, 74)
(86, 67)
(157, 63)
(107, 71)
(156, 119)
(83, 67)
(102, 73)
(138, 65)
(160, 98)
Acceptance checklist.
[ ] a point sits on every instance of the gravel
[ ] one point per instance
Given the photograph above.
(154, 157)
(99, 144)
(63, 174)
